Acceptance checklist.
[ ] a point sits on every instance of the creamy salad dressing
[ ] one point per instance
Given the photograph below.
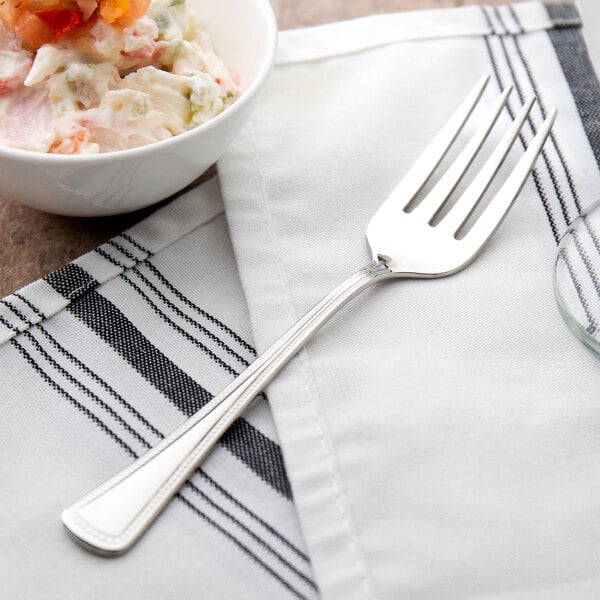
(112, 87)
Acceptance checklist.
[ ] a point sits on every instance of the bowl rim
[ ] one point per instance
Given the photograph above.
(247, 95)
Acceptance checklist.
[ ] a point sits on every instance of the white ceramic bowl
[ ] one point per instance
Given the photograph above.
(244, 34)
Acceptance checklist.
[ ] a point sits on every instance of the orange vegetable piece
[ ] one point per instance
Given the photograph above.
(71, 144)
(115, 10)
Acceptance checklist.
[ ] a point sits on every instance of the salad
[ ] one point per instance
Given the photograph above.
(88, 76)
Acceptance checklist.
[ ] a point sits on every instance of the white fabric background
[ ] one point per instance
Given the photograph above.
(442, 437)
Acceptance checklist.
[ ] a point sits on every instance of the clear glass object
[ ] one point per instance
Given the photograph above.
(577, 277)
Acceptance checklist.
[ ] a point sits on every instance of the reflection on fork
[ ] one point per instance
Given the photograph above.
(405, 242)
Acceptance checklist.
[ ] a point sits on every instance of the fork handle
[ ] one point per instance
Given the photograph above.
(112, 517)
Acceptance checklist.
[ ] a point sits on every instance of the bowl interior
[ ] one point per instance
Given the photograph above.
(244, 36)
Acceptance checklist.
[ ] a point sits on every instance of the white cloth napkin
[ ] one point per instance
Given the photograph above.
(440, 437)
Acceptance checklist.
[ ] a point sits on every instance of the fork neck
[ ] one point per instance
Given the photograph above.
(376, 269)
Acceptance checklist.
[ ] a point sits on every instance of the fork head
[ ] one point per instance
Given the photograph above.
(408, 241)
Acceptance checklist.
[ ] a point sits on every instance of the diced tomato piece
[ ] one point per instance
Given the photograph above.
(114, 10)
(84, 7)
(60, 20)
(49, 20)
(38, 22)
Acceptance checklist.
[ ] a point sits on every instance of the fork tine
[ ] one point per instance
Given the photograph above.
(465, 205)
(494, 213)
(423, 167)
(433, 202)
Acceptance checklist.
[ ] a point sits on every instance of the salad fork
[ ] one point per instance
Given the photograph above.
(405, 242)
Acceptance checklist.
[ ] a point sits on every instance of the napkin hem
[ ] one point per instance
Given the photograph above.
(331, 524)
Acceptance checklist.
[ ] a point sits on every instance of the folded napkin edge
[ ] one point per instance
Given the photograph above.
(339, 38)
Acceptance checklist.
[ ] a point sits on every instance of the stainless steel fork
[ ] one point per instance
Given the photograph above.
(404, 243)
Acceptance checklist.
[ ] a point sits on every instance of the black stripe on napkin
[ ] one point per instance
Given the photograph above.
(71, 281)
(257, 451)
(110, 324)
(563, 15)
(574, 59)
